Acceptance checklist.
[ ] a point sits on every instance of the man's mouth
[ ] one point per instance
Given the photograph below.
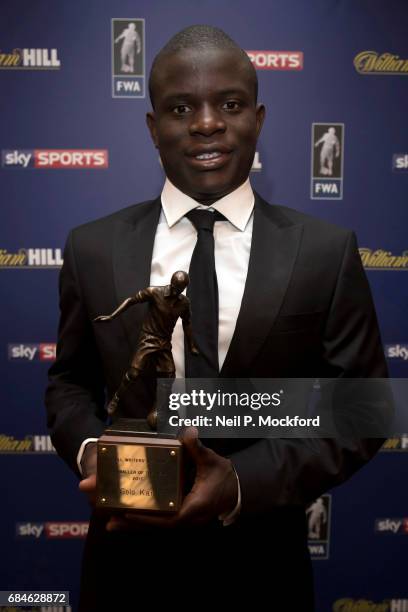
(212, 155)
(209, 160)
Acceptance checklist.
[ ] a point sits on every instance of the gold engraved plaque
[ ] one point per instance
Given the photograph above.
(139, 472)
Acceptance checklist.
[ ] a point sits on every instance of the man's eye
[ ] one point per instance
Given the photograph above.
(231, 105)
(181, 109)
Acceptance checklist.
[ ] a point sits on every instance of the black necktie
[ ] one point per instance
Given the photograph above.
(203, 294)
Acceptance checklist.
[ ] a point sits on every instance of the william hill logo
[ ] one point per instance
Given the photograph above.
(383, 260)
(31, 258)
(30, 59)
(396, 444)
(29, 444)
(367, 605)
(371, 62)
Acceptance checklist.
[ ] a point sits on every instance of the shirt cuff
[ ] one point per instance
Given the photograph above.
(81, 452)
(229, 518)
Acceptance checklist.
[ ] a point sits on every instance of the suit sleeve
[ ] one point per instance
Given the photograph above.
(281, 472)
(75, 394)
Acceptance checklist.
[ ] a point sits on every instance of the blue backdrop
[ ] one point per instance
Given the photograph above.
(75, 147)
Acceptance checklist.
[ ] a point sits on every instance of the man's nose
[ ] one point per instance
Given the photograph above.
(207, 121)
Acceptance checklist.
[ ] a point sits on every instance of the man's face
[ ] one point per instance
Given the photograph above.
(205, 123)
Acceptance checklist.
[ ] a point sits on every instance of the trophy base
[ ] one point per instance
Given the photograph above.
(139, 469)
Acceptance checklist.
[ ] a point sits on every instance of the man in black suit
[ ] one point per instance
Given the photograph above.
(293, 302)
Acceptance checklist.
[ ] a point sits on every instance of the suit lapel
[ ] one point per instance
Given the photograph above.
(274, 247)
(132, 256)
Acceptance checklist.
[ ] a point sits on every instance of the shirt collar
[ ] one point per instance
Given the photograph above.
(237, 206)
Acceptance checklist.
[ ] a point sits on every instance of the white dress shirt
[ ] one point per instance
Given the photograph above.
(173, 247)
(174, 243)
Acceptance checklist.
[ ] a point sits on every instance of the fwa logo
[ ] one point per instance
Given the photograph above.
(128, 58)
(327, 161)
(318, 519)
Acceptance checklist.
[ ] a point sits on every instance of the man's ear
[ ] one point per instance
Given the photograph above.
(260, 117)
(151, 124)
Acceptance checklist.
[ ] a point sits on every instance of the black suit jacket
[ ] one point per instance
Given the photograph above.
(306, 312)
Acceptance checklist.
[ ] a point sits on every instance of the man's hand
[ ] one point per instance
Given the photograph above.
(88, 464)
(214, 492)
(194, 350)
(88, 486)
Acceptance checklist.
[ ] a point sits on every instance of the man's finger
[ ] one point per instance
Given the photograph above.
(88, 484)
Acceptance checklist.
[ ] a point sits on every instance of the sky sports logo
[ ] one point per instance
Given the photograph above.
(276, 60)
(55, 159)
(52, 530)
(400, 162)
(397, 351)
(392, 525)
(32, 352)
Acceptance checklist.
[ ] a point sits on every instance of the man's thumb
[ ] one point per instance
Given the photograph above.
(191, 442)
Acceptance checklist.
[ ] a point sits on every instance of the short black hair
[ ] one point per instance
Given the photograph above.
(199, 37)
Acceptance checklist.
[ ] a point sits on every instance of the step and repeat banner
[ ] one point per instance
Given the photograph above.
(74, 146)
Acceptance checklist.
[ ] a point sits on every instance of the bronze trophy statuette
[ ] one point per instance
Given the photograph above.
(138, 468)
